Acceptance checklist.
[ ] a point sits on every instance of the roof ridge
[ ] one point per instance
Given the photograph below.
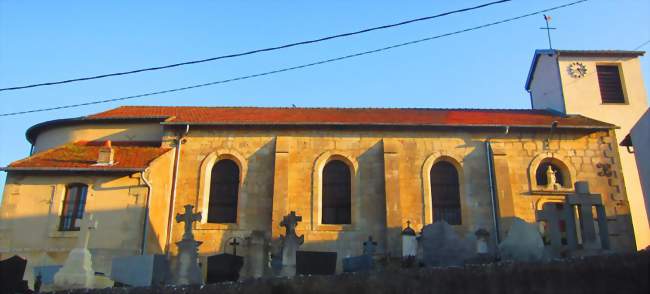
(327, 107)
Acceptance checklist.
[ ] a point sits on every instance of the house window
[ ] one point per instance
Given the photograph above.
(542, 173)
(445, 193)
(224, 189)
(337, 190)
(611, 88)
(73, 207)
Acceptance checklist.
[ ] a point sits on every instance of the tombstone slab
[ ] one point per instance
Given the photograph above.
(140, 270)
(11, 275)
(441, 246)
(315, 263)
(361, 263)
(523, 242)
(224, 267)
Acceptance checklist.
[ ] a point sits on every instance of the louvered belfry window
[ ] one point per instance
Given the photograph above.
(445, 193)
(611, 88)
(337, 190)
(224, 190)
(73, 207)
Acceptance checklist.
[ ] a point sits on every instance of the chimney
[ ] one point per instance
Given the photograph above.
(106, 154)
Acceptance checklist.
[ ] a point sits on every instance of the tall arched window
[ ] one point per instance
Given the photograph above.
(337, 193)
(73, 207)
(445, 193)
(224, 189)
(541, 174)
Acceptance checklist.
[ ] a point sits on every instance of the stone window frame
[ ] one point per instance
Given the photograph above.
(568, 172)
(57, 198)
(457, 162)
(317, 191)
(205, 176)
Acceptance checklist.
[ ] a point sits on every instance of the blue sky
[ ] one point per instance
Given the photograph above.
(53, 40)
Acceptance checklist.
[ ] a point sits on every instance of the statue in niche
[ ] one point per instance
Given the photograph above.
(551, 179)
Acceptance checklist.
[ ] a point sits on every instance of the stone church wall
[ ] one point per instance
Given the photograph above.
(281, 173)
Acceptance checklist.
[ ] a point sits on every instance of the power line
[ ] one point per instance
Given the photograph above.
(295, 67)
(642, 44)
(254, 51)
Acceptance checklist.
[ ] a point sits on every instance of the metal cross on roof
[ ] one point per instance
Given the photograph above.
(548, 29)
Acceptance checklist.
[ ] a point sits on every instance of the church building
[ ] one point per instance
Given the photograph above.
(350, 173)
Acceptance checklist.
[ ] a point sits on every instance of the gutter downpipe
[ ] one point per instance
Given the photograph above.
(172, 200)
(491, 179)
(146, 211)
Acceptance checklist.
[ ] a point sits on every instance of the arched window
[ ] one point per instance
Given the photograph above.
(337, 193)
(224, 189)
(542, 173)
(73, 207)
(445, 193)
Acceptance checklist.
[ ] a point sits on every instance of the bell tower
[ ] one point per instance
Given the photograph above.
(606, 85)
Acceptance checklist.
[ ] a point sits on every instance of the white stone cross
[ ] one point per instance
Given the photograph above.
(89, 223)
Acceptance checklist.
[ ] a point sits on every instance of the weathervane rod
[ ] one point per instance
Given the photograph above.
(548, 30)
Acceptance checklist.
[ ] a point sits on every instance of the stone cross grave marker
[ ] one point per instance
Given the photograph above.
(369, 247)
(553, 217)
(585, 200)
(290, 243)
(77, 271)
(88, 224)
(187, 268)
(234, 243)
(188, 217)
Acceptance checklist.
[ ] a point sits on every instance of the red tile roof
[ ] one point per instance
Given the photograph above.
(82, 156)
(349, 116)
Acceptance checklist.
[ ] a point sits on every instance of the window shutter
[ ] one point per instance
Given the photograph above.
(609, 79)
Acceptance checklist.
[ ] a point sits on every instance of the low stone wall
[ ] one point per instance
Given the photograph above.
(601, 274)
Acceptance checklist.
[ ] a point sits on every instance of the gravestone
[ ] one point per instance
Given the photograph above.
(187, 270)
(290, 243)
(47, 273)
(441, 246)
(77, 271)
(140, 270)
(315, 263)
(362, 263)
(523, 242)
(369, 247)
(560, 227)
(224, 267)
(11, 275)
(256, 246)
(584, 200)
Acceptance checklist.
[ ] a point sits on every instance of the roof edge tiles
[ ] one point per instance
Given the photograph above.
(294, 116)
(83, 155)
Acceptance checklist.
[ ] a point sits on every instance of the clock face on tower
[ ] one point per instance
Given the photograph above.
(577, 70)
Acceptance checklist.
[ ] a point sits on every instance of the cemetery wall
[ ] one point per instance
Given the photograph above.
(599, 274)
